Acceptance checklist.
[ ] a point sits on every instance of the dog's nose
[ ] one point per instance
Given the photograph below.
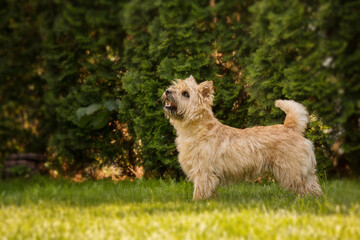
(167, 92)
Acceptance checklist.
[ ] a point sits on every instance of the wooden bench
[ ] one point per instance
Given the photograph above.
(23, 164)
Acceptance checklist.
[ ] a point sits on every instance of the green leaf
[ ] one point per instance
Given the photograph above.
(111, 104)
(84, 121)
(92, 108)
(80, 112)
(100, 119)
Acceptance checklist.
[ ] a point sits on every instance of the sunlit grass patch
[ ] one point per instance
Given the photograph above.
(43, 208)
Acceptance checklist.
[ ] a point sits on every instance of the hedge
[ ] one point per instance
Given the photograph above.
(81, 80)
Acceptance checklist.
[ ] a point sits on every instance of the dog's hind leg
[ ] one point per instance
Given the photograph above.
(311, 182)
(298, 177)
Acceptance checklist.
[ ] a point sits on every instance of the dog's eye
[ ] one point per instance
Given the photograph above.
(185, 94)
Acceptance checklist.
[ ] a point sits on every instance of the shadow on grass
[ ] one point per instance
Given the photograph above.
(160, 195)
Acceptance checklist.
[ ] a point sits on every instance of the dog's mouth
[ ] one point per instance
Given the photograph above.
(170, 106)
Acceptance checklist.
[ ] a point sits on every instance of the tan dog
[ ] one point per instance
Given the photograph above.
(212, 154)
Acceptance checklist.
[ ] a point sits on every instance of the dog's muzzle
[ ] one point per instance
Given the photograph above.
(170, 107)
(169, 101)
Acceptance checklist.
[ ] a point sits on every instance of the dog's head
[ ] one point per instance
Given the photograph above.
(186, 100)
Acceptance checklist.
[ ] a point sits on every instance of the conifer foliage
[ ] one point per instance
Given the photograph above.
(81, 80)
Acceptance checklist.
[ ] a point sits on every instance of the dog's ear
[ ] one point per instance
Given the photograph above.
(207, 91)
(206, 88)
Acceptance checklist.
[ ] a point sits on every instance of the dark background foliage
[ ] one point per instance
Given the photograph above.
(81, 80)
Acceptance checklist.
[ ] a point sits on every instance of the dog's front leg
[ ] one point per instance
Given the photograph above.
(205, 186)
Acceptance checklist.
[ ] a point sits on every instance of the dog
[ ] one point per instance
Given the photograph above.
(213, 154)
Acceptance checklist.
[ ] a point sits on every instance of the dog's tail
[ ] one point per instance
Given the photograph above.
(296, 114)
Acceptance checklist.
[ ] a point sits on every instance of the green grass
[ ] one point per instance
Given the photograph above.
(42, 208)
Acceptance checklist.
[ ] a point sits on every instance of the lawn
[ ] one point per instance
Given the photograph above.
(43, 208)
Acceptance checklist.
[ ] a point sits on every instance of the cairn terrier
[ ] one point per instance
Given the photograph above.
(213, 154)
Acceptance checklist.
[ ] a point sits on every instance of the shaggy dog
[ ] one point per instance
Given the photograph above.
(212, 154)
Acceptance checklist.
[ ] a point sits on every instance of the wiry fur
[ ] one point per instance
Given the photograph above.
(212, 154)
